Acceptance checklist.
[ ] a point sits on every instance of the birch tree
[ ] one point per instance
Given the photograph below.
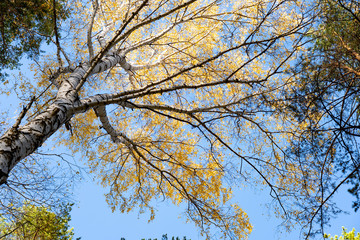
(176, 100)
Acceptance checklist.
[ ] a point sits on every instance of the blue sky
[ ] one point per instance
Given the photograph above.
(93, 220)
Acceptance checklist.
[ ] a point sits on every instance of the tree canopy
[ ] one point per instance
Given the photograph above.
(24, 25)
(187, 101)
(33, 222)
(328, 93)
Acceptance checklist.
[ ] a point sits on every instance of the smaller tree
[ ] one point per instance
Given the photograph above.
(34, 222)
(345, 235)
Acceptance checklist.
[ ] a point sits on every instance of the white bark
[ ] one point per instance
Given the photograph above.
(114, 134)
(19, 142)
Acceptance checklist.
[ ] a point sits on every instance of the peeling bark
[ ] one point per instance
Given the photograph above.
(19, 142)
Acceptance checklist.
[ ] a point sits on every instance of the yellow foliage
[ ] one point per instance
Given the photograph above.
(210, 81)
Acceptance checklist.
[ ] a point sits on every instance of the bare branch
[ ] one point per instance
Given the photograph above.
(56, 33)
(89, 32)
(22, 114)
(101, 114)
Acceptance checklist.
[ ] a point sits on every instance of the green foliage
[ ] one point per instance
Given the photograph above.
(24, 25)
(33, 222)
(338, 45)
(345, 235)
(327, 96)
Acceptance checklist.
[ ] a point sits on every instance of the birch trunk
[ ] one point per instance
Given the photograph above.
(19, 142)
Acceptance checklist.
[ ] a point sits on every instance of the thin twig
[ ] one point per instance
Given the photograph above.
(23, 113)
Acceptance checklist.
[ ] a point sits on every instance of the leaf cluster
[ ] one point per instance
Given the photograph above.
(36, 222)
(24, 25)
(345, 235)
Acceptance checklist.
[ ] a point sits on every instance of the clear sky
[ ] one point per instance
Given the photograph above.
(93, 220)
